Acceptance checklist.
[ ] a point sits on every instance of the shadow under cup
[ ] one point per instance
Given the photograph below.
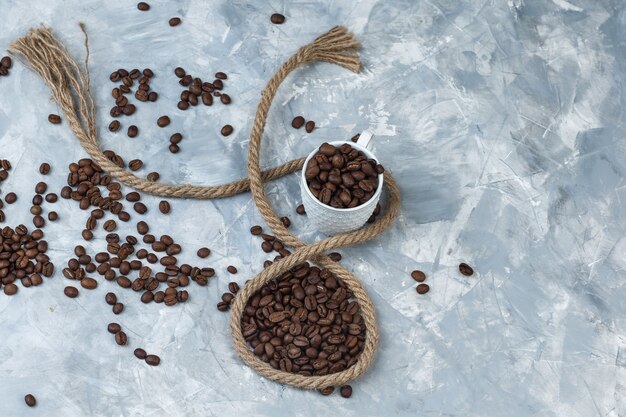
(330, 220)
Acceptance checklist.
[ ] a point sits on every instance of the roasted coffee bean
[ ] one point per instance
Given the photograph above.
(143, 6)
(140, 208)
(297, 122)
(326, 391)
(114, 126)
(110, 225)
(256, 230)
(153, 360)
(37, 199)
(418, 276)
(51, 198)
(110, 298)
(233, 287)
(176, 138)
(203, 252)
(223, 306)
(121, 338)
(147, 297)
(153, 176)
(39, 221)
(134, 196)
(140, 353)
(11, 198)
(30, 400)
(300, 209)
(464, 268)
(71, 292)
(285, 221)
(41, 187)
(55, 119)
(44, 168)
(6, 62)
(135, 165)
(142, 228)
(88, 283)
(35, 210)
(175, 21)
(53, 216)
(231, 269)
(225, 99)
(180, 73)
(114, 328)
(310, 125)
(346, 391)
(227, 130)
(133, 131)
(163, 121)
(118, 307)
(174, 148)
(164, 207)
(277, 19)
(422, 288)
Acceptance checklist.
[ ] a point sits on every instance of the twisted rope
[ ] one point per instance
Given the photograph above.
(70, 88)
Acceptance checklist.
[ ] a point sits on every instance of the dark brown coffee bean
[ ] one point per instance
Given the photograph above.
(88, 283)
(203, 252)
(53, 216)
(326, 391)
(227, 130)
(143, 6)
(114, 126)
(153, 360)
(231, 269)
(135, 165)
(346, 391)
(174, 148)
(183, 105)
(153, 176)
(140, 353)
(277, 19)
(223, 306)
(163, 121)
(121, 338)
(110, 298)
(55, 119)
(207, 99)
(153, 96)
(35, 210)
(11, 198)
(71, 292)
(176, 138)
(233, 287)
(180, 73)
(140, 208)
(114, 328)
(164, 207)
(267, 247)
(118, 307)
(256, 230)
(44, 168)
(147, 297)
(297, 122)
(6, 62)
(134, 196)
(133, 131)
(225, 99)
(285, 221)
(422, 288)
(300, 209)
(175, 21)
(30, 400)
(142, 228)
(110, 225)
(39, 221)
(51, 198)
(418, 276)
(310, 125)
(465, 269)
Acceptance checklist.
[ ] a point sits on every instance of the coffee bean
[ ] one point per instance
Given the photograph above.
(114, 328)
(180, 73)
(231, 269)
(44, 168)
(10, 198)
(140, 208)
(176, 138)
(225, 99)
(326, 391)
(164, 207)
(51, 198)
(297, 122)
(286, 222)
(121, 338)
(174, 148)
(71, 292)
(142, 228)
(418, 276)
(39, 221)
(277, 19)
(346, 391)
(422, 288)
(153, 360)
(175, 21)
(153, 176)
(110, 225)
(55, 119)
(53, 216)
(114, 126)
(464, 268)
(163, 121)
(203, 252)
(133, 131)
(118, 307)
(223, 306)
(227, 130)
(143, 6)
(147, 297)
(233, 287)
(140, 353)
(110, 298)
(6, 62)
(135, 165)
(300, 209)
(256, 230)
(41, 187)
(30, 400)
(310, 125)
(88, 283)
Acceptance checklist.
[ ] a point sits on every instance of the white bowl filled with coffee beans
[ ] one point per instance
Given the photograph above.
(341, 185)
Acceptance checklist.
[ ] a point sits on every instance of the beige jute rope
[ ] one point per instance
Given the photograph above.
(70, 88)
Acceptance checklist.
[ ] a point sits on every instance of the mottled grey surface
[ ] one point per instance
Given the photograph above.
(503, 123)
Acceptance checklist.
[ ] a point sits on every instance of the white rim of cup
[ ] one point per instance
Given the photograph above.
(367, 152)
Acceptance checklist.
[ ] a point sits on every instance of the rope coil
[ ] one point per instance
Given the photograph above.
(70, 89)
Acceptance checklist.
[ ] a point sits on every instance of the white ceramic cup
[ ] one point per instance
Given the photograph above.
(331, 220)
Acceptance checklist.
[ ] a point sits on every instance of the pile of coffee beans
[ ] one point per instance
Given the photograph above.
(122, 105)
(198, 90)
(23, 258)
(5, 64)
(299, 121)
(342, 177)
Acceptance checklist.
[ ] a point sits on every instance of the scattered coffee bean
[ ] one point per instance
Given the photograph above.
(44, 168)
(227, 130)
(140, 208)
(10, 198)
(53, 216)
(163, 121)
(164, 207)
(175, 21)
(143, 6)
(140, 353)
(256, 230)
(114, 126)
(55, 119)
(118, 308)
(153, 360)
(174, 148)
(133, 131)
(418, 276)
(326, 391)
(335, 256)
(231, 269)
(225, 99)
(310, 125)
(110, 298)
(176, 138)
(346, 391)
(110, 225)
(71, 292)
(41, 187)
(153, 176)
(297, 122)
(285, 221)
(180, 73)
(233, 287)
(121, 338)
(6, 62)
(88, 283)
(135, 165)
(203, 252)
(52, 198)
(300, 209)
(422, 288)
(30, 400)
(277, 19)
(114, 328)
(464, 268)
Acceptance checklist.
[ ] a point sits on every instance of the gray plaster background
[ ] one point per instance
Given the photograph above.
(503, 123)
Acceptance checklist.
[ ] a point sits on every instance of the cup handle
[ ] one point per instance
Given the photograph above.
(365, 139)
